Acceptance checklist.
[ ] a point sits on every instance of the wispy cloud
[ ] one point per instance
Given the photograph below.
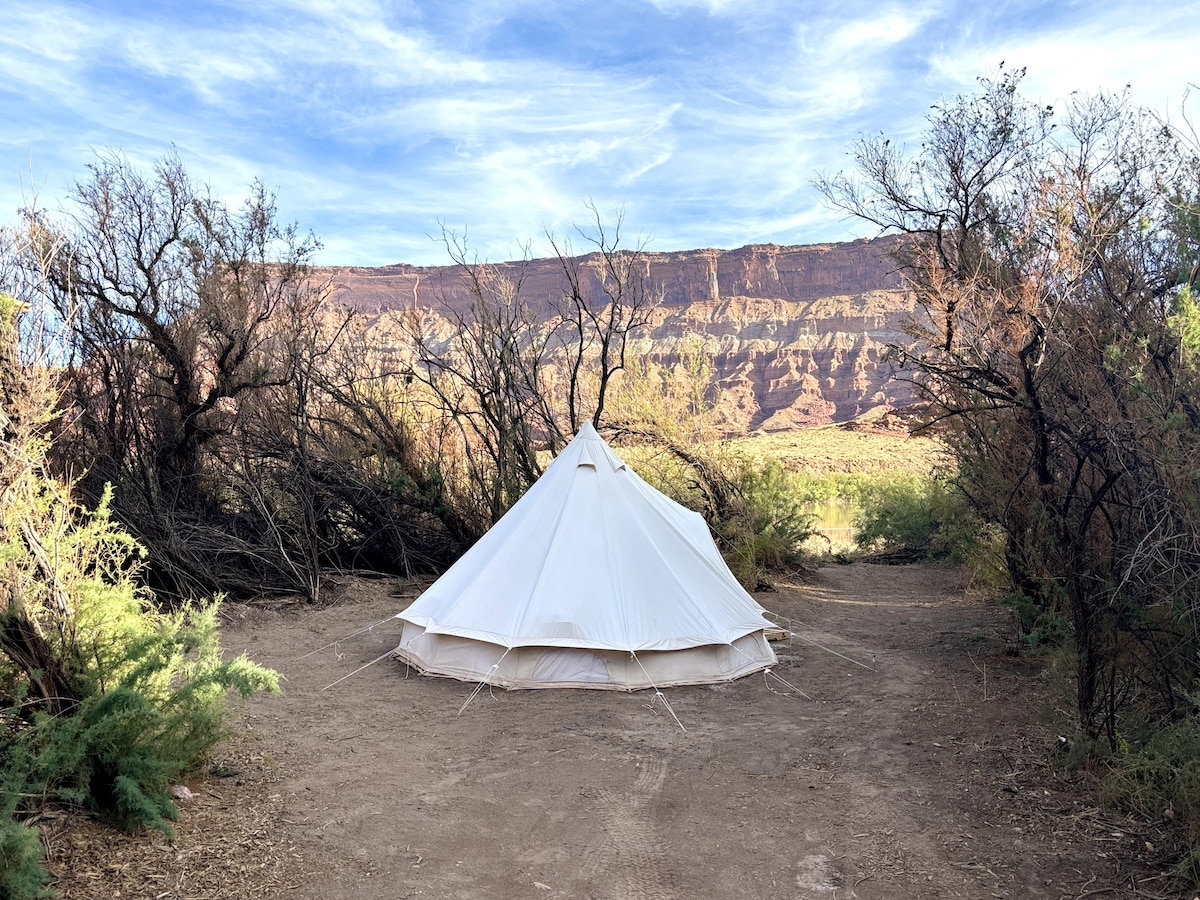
(706, 120)
(1143, 46)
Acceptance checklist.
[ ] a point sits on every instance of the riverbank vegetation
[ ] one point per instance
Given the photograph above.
(215, 421)
(107, 699)
(1055, 256)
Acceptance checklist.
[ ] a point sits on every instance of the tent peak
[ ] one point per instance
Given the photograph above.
(590, 449)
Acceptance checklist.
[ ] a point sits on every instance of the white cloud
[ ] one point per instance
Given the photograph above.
(870, 35)
(713, 7)
(705, 119)
(1114, 46)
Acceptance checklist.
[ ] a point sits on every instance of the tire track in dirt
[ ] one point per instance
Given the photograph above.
(630, 855)
(918, 780)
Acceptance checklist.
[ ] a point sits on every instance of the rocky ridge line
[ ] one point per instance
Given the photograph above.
(797, 334)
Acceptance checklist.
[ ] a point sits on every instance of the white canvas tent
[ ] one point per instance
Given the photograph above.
(593, 579)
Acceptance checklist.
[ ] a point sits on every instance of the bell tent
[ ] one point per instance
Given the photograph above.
(593, 579)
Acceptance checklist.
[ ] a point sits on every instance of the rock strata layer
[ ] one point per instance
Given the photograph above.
(797, 335)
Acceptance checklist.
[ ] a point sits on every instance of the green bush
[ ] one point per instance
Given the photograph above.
(106, 700)
(776, 514)
(123, 746)
(764, 529)
(21, 872)
(1160, 780)
(1037, 624)
(151, 689)
(928, 517)
(898, 514)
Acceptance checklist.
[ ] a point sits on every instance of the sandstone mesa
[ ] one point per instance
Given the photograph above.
(797, 334)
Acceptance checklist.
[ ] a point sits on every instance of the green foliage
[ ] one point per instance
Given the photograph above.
(926, 516)
(849, 486)
(157, 708)
(758, 512)
(105, 699)
(898, 514)
(1160, 780)
(771, 524)
(1039, 625)
(21, 874)
(1184, 323)
(775, 510)
(152, 688)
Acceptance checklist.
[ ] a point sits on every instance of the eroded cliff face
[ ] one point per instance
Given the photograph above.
(796, 334)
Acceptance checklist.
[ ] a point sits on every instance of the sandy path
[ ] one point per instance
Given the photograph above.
(923, 776)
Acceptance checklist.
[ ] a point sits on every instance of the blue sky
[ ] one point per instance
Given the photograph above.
(704, 120)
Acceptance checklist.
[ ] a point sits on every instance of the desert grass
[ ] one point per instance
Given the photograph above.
(837, 449)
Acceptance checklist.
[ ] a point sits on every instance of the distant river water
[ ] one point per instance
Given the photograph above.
(834, 519)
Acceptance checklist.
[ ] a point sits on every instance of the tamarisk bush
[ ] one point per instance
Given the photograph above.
(105, 700)
(1054, 256)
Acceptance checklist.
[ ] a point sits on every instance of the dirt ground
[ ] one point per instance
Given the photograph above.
(915, 765)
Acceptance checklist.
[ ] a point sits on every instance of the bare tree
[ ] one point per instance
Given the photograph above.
(515, 374)
(485, 362)
(1046, 255)
(181, 309)
(608, 296)
(381, 459)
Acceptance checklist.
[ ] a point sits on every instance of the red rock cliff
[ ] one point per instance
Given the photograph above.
(797, 333)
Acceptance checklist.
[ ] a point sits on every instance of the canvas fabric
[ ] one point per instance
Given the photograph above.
(592, 579)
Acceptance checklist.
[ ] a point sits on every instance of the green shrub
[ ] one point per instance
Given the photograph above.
(1037, 624)
(775, 513)
(105, 699)
(898, 515)
(21, 872)
(152, 690)
(1159, 779)
(123, 747)
(767, 526)
(848, 486)
(928, 518)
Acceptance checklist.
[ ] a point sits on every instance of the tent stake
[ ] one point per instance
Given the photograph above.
(657, 693)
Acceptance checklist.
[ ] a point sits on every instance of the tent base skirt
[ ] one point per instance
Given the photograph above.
(522, 668)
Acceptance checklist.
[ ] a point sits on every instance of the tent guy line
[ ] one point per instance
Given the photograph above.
(791, 630)
(352, 634)
(834, 652)
(770, 673)
(658, 693)
(483, 683)
(359, 669)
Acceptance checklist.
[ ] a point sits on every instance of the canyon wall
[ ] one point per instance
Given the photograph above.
(797, 334)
